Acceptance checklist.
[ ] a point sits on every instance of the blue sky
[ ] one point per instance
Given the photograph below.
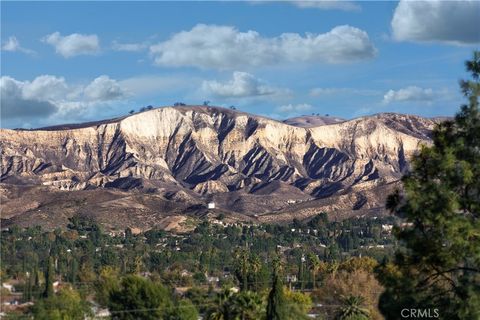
(80, 61)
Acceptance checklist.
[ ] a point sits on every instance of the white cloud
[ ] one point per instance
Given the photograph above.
(242, 84)
(454, 22)
(224, 47)
(318, 92)
(74, 44)
(328, 5)
(12, 45)
(129, 47)
(103, 89)
(411, 93)
(47, 96)
(294, 108)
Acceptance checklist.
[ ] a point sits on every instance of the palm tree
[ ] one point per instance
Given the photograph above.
(219, 310)
(313, 265)
(242, 267)
(246, 305)
(352, 309)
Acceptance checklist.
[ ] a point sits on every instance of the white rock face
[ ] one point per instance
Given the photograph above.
(214, 150)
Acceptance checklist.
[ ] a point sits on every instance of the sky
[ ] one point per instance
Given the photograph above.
(68, 62)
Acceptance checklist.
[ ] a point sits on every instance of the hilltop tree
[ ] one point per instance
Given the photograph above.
(439, 268)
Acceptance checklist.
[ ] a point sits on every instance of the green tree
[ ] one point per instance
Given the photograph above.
(220, 310)
(245, 305)
(439, 267)
(49, 275)
(66, 305)
(183, 310)
(107, 283)
(352, 309)
(276, 298)
(138, 298)
(313, 265)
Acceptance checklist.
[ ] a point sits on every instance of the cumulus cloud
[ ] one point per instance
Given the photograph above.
(224, 47)
(453, 22)
(129, 47)
(328, 5)
(49, 95)
(294, 108)
(411, 93)
(103, 89)
(242, 84)
(74, 44)
(12, 45)
(17, 102)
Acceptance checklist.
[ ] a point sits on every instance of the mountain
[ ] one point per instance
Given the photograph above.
(142, 169)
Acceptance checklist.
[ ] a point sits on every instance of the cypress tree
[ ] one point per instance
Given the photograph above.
(36, 283)
(276, 297)
(49, 274)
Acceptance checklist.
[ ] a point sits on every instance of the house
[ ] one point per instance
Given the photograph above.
(211, 205)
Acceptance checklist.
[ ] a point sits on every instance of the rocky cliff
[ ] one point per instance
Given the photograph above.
(248, 164)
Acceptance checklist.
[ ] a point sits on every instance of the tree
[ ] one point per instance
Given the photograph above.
(313, 265)
(67, 304)
(219, 311)
(138, 298)
(439, 267)
(276, 299)
(297, 304)
(107, 283)
(49, 274)
(206, 102)
(242, 267)
(183, 310)
(245, 305)
(352, 309)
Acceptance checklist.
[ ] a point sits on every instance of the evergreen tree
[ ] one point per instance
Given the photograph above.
(138, 298)
(276, 298)
(439, 267)
(49, 275)
(27, 290)
(36, 283)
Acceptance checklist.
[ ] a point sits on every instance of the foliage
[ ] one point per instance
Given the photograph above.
(107, 283)
(66, 305)
(439, 267)
(183, 310)
(352, 309)
(138, 298)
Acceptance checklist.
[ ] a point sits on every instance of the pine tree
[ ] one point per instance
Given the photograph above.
(439, 268)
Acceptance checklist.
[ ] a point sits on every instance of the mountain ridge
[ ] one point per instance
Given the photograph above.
(247, 164)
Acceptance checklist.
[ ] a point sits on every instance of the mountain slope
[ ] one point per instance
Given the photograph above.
(248, 164)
